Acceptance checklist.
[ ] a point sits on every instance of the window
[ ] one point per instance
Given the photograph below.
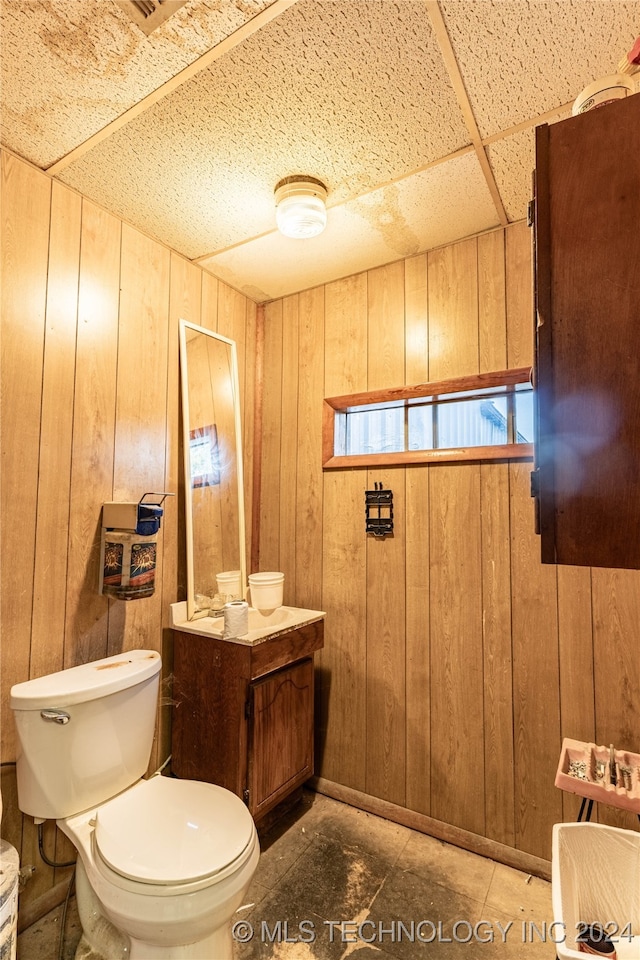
(484, 417)
(204, 456)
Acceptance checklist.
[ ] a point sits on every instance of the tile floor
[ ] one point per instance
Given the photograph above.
(336, 883)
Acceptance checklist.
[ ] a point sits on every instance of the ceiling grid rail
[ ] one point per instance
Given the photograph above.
(451, 63)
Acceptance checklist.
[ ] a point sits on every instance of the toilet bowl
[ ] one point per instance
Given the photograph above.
(168, 862)
(163, 863)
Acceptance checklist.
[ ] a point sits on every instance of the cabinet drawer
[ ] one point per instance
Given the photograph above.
(291, 646)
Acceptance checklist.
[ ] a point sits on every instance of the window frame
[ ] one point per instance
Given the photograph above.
(336, 405)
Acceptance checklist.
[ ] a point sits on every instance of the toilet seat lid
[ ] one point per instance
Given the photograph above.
(166, 831)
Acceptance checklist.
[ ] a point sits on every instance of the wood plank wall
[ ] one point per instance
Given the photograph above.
(90, 412)
(455, 662)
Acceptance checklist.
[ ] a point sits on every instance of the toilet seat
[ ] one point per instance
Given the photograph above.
(165, 831)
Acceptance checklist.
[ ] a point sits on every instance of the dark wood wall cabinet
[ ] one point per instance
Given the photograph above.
(587, 357)
(243, 714)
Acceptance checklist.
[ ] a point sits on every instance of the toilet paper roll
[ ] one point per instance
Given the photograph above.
(236, 619)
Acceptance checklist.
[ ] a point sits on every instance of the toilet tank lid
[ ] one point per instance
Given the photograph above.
(89, 681)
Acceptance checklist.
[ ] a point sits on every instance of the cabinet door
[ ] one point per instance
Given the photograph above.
(280, 735)
(588, 355)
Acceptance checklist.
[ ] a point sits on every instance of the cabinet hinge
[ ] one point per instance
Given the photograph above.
(531, 213)
(535, 483)
(245, 795)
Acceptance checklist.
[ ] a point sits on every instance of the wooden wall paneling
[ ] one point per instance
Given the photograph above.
(232, 319)
(492, 320)
(233, 323)
(418, 641)
(567, 673)
(575, 640)
(253, 558)
(185, 296)
(385, 625)
(248, 411)
(416, 312)
(616, 615)
(54, 469)
(26, 206)
(185, 301)
(210, 293)
(497, 654)
(386, 640)
(308, 505)
(519, 295)
(457, 769)
(271, 491)
(496, 573)
(416, 525)
(141, 412)
(536, 693)
(289, 445)
(386, 330)
(26, 198)
(453, 310)
(11, 826)
(341, 666)
(457, 762)
(345, 345)
(93, 432)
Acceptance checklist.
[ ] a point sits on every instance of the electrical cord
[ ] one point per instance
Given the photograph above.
(50, 863)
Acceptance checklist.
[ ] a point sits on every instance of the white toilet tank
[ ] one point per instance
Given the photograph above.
(85, 734)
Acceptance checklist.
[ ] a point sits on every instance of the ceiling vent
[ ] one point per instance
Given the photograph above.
(149, 14)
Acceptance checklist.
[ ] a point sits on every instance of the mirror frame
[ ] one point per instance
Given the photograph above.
(183, 326)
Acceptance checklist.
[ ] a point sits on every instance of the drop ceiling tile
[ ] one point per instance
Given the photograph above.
(69, 67)
(520, 58)
(432, 208)
(353, 92)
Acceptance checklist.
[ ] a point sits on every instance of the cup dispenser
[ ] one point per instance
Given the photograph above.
(128, 547)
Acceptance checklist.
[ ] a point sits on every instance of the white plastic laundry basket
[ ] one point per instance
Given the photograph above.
(595, 878)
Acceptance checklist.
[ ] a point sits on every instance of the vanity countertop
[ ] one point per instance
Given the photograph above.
(261, 626)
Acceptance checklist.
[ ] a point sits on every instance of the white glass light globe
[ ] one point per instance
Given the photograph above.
(300, 209)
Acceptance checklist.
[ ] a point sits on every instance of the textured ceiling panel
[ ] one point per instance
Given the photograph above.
(353, 92)
(69, 67)
(435, 207)
(520, 58)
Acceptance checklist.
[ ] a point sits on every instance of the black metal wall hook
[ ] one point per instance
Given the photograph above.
(378, 511)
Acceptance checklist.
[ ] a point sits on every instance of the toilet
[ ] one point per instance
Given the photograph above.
(163, 863)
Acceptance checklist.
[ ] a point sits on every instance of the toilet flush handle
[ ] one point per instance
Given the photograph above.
(55, 716)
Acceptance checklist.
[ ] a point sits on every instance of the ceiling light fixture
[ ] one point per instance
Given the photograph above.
(300, 209)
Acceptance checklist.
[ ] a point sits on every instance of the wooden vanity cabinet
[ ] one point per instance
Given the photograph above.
(243, 714)
(587, 349)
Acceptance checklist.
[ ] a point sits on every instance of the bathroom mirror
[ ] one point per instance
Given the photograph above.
(212, 433)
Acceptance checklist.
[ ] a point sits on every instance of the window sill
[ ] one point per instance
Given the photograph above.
(510, 451)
